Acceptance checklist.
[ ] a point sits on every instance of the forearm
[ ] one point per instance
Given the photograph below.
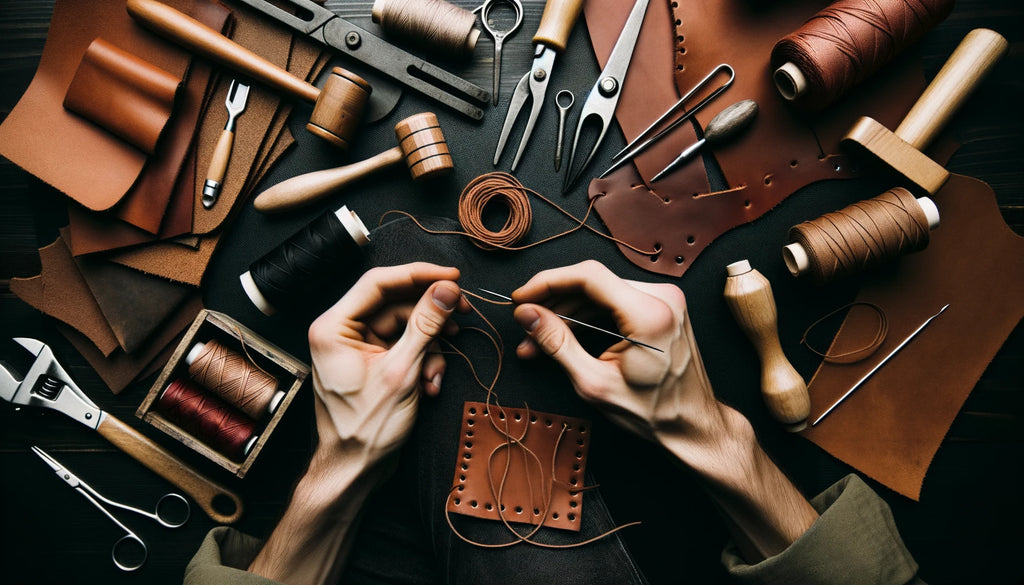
(310, 544)
(764, 510)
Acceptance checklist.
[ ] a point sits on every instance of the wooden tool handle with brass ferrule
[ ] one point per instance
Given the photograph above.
(221, 156)
(556, 23)
(169, 467)
(203, 40)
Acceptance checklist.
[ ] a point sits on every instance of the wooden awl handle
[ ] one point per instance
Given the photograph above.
(556, 23)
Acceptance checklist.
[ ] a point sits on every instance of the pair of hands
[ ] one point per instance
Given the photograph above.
(374, 354)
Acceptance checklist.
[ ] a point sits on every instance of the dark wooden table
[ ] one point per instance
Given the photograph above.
(965, 529)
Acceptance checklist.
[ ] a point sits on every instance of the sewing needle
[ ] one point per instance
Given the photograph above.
(879, 365)
(588, 325)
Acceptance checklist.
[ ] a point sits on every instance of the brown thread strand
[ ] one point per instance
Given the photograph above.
(848, 41)
(206, 417)
(856, 355)
(234, 378)
(431, 24)
(862, 235)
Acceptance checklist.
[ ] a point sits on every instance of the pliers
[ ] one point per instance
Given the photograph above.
(552, 36)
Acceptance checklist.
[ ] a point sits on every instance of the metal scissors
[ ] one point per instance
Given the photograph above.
(552, 36)
(499, 35)
(121, 553)
(604, 97)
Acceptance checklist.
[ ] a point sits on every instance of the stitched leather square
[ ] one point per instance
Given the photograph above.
(525, 487)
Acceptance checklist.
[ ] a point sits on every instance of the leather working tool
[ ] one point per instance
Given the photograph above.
(604, 97)
(725, 126)
(499, 36)
(238, 94)
(48, 385)
(421, 144)
(563, 111)
(552, 36)
(329, 29)
(635, 147)
(973, 58)
(879, 365)
(122, 546)
(337, 108)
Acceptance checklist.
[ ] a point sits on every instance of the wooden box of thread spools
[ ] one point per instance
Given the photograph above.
(223, 391)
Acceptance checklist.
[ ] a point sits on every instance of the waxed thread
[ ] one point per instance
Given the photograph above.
(208, 418)
(233, 378)
(863, 234)
(848, 41)
(854, 355)
(432, 24)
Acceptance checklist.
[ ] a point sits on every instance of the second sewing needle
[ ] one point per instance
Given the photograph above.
(588, 325)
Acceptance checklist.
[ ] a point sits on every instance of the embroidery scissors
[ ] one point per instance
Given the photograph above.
(604, 97)
(499, 34)
(121, 553)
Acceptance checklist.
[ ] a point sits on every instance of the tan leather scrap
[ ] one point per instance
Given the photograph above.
(527, 443)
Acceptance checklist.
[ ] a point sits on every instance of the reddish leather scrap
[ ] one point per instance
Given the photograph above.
(891, 427)
(525, 488)
(784, 150)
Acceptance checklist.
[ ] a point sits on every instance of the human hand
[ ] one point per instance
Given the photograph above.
(665, 397)
(371, 360)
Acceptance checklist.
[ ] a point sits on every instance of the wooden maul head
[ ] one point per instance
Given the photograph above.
(339, 107)
(424, 147)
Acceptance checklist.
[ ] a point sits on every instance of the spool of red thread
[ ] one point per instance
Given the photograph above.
(208, 418)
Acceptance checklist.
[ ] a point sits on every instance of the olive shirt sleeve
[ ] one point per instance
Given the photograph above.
(853, 541)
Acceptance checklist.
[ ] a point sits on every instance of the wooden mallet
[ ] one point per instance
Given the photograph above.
(337, 108)
(972, 59)
(421, 145)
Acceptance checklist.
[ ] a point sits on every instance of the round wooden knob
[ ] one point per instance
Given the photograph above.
(423, 144)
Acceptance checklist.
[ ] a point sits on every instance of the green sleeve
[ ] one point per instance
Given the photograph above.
(853, 541)
(222, 559)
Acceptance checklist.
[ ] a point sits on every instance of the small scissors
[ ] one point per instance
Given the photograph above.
(122, 546)
(499, 35)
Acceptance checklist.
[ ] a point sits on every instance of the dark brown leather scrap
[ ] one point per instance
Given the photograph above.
(123, 94)
(525, 488)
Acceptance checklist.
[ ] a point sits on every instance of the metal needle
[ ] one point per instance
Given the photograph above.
(879, 365)
(588, 325)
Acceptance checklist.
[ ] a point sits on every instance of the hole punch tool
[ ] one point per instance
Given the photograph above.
(48, 385)
(499, 35)
(552, 37)
(122, 553)
(238, 95)
(604, 97)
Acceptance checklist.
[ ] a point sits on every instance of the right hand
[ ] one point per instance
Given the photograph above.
(663, 397)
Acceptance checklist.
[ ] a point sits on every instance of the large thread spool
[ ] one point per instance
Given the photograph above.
(305, 262)
(434, 25)
(845, 43)
(861, 235)
(234, 378)
(490, 189)
(207, 418)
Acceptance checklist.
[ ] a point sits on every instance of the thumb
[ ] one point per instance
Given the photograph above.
(554, 338)
(426, 321)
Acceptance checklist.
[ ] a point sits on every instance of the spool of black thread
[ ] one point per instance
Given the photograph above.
(305, 262)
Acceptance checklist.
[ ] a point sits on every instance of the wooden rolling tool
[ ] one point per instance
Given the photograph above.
(972, 59)
(749, 296)
(421, 145)
(337, 108)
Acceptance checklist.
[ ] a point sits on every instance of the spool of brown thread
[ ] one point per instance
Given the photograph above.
(234, 378)
(847, 42)
(486, 190)
(861, 235)
(434, 25)
(208, 419)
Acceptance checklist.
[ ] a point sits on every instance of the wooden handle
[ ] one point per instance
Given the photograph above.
(973, 58)
(749, 296)
(203, 40)
(556, 23)
(221, 156)
(307, 188)
(169, 467)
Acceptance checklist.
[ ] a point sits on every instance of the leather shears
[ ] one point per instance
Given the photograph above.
(171, 510)
(604, 96)
(552, 36)
(48, 385)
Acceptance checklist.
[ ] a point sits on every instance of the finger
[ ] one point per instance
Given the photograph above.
(527, 349)
(390, 323)
(383, 284)
(554, 338)
(432, 373)
(426, 322)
